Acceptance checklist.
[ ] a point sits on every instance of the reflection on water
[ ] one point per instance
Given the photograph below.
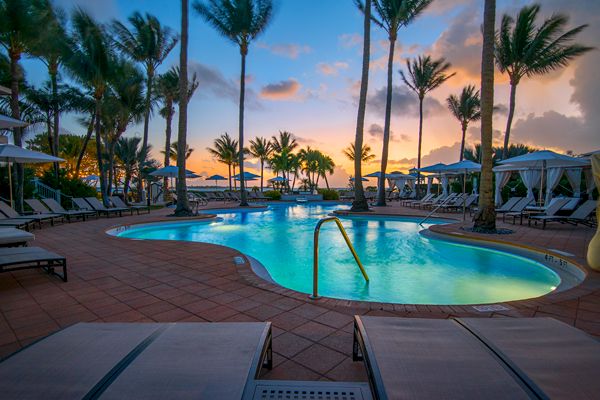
(403, 266)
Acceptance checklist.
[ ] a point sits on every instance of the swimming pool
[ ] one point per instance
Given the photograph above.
(403, 266)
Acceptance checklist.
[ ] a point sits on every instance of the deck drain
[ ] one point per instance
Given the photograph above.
(303, 391)
(490, 308)
(239, 260)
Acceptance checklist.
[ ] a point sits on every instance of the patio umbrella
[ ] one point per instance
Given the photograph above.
(216, 178)
(435, 168)
(278, 179)
(172, 171)
(363, 179)
(10, 153)
(8, 122)
(464, 166)
(248, 176)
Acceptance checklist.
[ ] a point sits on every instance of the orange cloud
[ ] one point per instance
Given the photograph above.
(284, 90)
(331, 69)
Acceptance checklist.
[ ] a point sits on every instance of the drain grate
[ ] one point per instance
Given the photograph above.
(309, 391)
(491, 308)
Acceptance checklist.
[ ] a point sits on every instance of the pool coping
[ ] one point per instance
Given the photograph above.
(249, 274)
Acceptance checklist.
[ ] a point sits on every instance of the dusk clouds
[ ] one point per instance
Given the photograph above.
(283, 90)
(289, 50)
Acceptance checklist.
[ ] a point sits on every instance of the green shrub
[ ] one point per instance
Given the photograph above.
(68, 186)
(329, 194)
(273, 194)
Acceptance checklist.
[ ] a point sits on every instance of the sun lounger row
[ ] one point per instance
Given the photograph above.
(405, 358)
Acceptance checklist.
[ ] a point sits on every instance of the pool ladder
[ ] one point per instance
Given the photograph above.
(315, 294)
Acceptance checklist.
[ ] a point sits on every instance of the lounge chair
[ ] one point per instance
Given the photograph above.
(217, 361)
(552, 209)
(579, 216)
(510, 203)
(13, 237)
(100, 208)
(482, 358)
(459, 204)
(17, 258)
(409, 202)
(39, 209)
(117, 202)
(16, 222)
(12, 214)
(58, 209)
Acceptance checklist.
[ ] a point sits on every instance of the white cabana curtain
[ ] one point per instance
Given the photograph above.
(553, 176)
(502, 178)
(531, 180)
(475, 190)
(574, 177)
(400, 183)
(429, 180)
(589, 181)
(444, 185)
(392, 184)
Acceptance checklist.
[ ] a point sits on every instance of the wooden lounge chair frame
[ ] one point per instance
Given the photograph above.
(117, 202)
(55, 207)
(585, 209)
(19, 258)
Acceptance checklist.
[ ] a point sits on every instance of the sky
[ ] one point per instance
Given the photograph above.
(303, 76)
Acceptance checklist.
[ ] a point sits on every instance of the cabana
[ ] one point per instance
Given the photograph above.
(435, 171)
(545, 165)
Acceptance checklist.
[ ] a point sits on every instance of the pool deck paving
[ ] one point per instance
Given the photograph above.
(122, 280)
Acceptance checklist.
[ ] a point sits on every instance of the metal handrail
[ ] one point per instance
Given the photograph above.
(315, 294)
(437, 208)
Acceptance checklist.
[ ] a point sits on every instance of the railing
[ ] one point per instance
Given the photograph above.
(447, 199)
(46, 192)
(315, 294)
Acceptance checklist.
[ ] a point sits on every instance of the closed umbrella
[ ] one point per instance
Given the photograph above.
(8, 122)
(10, 153)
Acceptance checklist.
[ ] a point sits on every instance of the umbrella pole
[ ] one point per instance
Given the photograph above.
(464, 198)
(10, 184)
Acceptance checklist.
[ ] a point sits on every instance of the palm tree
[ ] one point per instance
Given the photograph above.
(148, 43)
(365, 155)
(127, 150)
(240, 21)
(91, 63)
(21, 24)
(262, 149)
(523, 49)
(424, 75)
(285, 141)
(325, 166)
(225, 152)
(391, 16)
(485, 219)
(183, 206)
(173, 151)
(465, 108)
(360, 202)
(310, 164)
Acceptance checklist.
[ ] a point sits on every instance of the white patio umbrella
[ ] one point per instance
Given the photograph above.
(463, 167)
(10, 153)
(8, 122)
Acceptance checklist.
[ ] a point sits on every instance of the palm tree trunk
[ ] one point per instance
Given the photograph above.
(234, 181)
(262, 164)
(326, 181)
(149, 77)
(183, 205)
(386, 125)
(462, 143)
(168, 118)
(229, 167)
(485, 219)
(244, 200)
(360, 202)
(419, 148)
(511, 114)
(111, 167)
(56, 134)
(17, 132)
(90, 131)
(101, 170)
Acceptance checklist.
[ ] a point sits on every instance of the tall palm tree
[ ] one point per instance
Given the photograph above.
(391, 16)
(240, 21)
(91, 63)
(224, 150)
(424, 75)
(262, 149)
(149, 43)
(183, 206)
(360, 202)
(325, 166)
(20, 27)
(365, 155)
(465, 108)
(126, 150)
(285, 141)
(485, 219)
(524, 49)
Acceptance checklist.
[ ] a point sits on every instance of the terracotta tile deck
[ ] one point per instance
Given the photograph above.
(113, 279)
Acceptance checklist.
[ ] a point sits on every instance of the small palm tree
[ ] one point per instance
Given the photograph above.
(325, 166)
(224, 150)
(485, 218)
(465, 108)
(174, 151)
(126, 150)
(366, 154)
(262, 149)
(391, 16)
(284, 142)
(524, 49)
(240, 21)
(424, 75)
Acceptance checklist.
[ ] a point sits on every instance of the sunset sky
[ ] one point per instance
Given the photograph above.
(303, 77)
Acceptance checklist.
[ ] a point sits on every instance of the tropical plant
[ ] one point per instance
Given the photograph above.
(325, 166)
(524, 49)
(360, 201)
(366, 154)
(465, 108)
(21, 25)
(262, 149)
(224, 150)
(240, 21)
(391, 16)
(174, 150)
(127, 152)
(424, 75)
(284, 142)
(514, 150)
(485, 218)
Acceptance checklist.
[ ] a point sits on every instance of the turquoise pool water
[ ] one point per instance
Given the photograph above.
(403, 266)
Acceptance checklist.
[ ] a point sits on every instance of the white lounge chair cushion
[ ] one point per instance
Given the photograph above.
(14, 235)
